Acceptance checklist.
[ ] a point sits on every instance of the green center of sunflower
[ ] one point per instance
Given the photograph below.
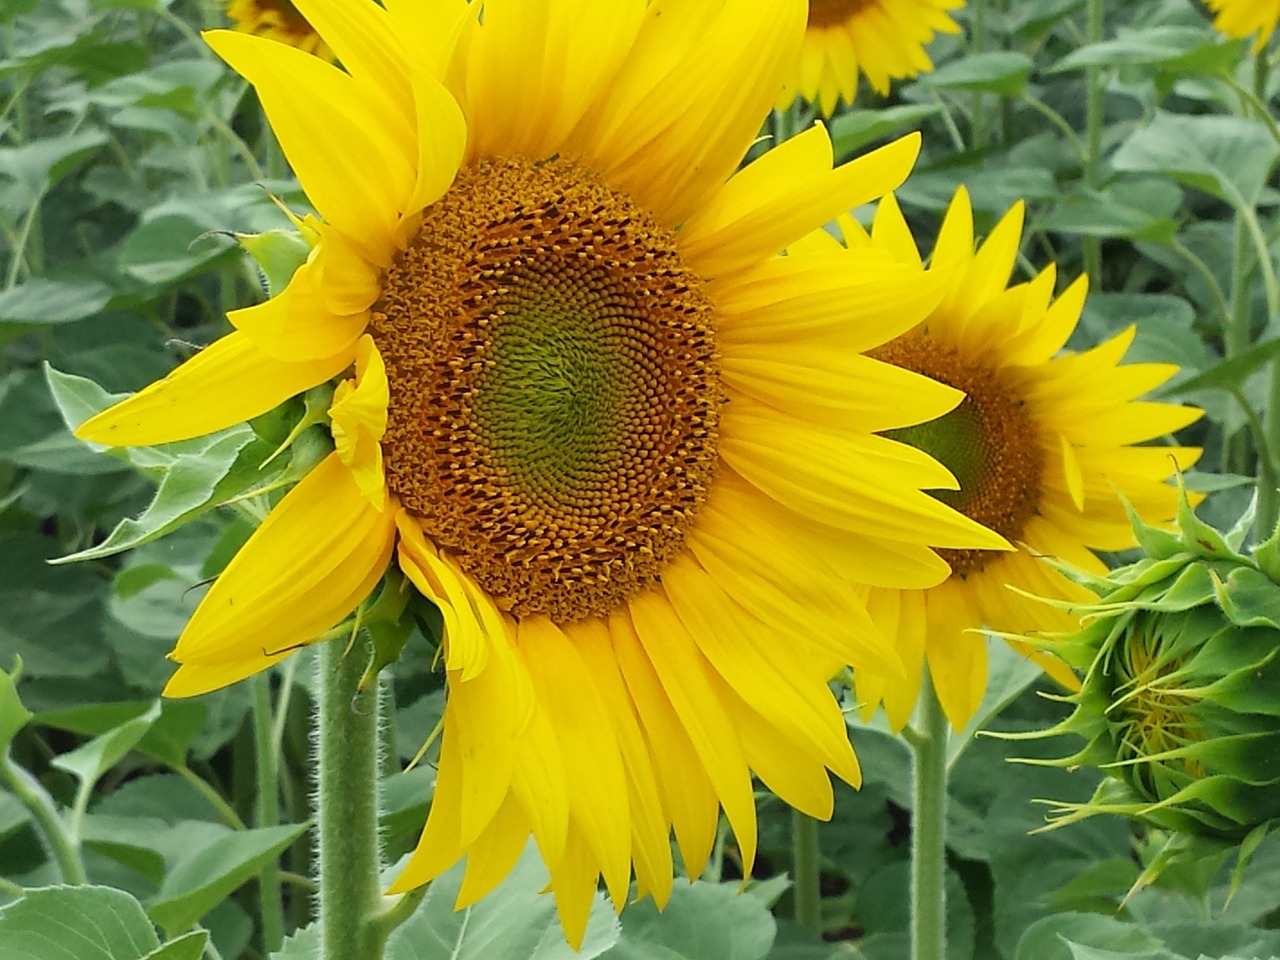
(1151, 712)
(831, 13)
(555, 389)
(988, 442)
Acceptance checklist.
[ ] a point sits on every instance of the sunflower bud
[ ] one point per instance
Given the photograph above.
(1180, 704)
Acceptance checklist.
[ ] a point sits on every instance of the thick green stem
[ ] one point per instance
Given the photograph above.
(928, 829)
(805, 868)
(349, 849)
(267, 811)
(40, 805)
(1093, 140)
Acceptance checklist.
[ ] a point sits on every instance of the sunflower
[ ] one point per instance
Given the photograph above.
(277, 20)
(588, 407)
(1041, 445)
(881, 39)
(1244, 18)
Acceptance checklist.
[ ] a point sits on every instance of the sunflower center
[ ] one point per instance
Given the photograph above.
(989, 443)
(555, 388)
(831, 13)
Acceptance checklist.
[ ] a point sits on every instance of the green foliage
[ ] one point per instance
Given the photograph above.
(133, 217)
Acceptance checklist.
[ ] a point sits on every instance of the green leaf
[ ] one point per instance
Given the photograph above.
(187, 947)
(39, 164)
(168, 739)
(1001, 71)
(1231, 374)
(515, 920)
(1228, 157)
(13, 715)
(76, 923)
(1134, 210)
(703, 921)
(48, 301)
(215, 869)
(170, 248)
(854, 129)
(91, 760)
(1175, 47)
(78, 398)
(190, 487)
(1053, 938)
(278, 254)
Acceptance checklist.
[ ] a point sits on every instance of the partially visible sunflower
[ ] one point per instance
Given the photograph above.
(624, 446)
(1244, 18)
(1041, 445)
(883, 40)
(277, 20)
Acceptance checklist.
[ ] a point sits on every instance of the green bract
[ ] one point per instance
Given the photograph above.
(1180, 703)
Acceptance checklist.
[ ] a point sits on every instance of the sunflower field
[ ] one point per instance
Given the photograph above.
(639, 480)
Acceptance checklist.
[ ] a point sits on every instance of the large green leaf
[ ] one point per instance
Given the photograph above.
(91, 760)
(702, 921)
(1229, 157)
(212, 869)
(76, 923)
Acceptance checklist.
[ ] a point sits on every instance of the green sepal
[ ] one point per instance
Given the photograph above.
(1249, 597)
(13, 715)
(278, 254)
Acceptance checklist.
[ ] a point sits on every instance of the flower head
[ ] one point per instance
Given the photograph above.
(1180, 704)
(1041, 445)
(1245, 18)
(883, 40)
(621, 443)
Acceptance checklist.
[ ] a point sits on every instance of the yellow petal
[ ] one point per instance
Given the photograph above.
(357, 171)
(688, 796)
(438, 848)
(568, 695)
(493, 854)
(788, 192)
(690, 684)
(861, 484)
(297, 324)
(650, 846)
(688, 100)
(776, 683)
(358, 418)
(315, 557)
(228, 382)
(535, 68)
(957, 658)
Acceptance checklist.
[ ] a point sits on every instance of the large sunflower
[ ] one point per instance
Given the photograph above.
(1244, 18)
(1041, 445)
(623, 445)
(277, 20)
(883, 40)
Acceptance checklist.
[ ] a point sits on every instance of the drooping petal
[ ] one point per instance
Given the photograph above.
(297, 324)
(228, 382)
(316, 556)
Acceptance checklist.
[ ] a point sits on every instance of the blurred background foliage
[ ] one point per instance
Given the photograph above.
(129, 156)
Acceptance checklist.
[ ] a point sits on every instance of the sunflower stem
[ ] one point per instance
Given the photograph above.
(1093, 139)
(805, 868)
(267, 811)
(928, 828)
(349, 850)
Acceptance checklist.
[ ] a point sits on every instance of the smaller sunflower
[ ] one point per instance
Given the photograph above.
(1244, 18)
(1041, 445)
(277, 20)
(884, 40)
